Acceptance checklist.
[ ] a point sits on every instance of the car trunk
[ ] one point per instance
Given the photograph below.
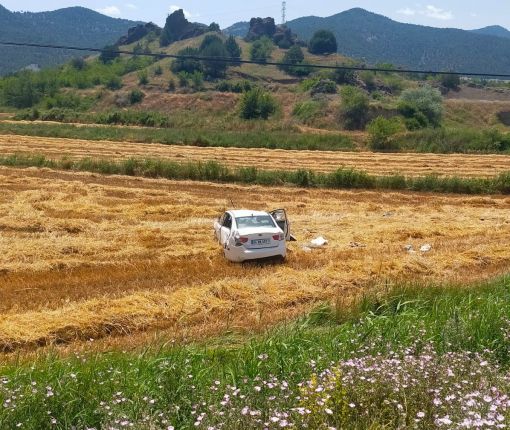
(260, 238)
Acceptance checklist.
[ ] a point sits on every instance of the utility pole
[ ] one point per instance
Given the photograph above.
(284, 12)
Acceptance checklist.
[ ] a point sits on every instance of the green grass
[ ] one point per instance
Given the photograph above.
(163, 385)
(342, 178)
(258, 138)
(455, 140)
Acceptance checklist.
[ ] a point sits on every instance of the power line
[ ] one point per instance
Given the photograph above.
(262, 63)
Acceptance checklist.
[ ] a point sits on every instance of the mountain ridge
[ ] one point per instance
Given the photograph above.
(77, 26)
(374, 38)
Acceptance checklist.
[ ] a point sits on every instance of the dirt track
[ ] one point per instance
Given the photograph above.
(86, 256)
(380, 164)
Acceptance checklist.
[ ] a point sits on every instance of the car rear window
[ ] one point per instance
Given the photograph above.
(255, 221)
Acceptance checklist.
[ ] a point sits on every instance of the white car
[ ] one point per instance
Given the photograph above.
(250, 235)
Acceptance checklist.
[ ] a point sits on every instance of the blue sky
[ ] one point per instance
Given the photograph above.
(438, 13)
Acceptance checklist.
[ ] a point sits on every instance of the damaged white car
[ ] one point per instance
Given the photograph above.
(251, 235)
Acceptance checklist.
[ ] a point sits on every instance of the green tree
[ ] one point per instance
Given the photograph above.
(261, 49)
(450, 82)
(295, 57)
(215, 68)
(233, 49)
(355, 107)
(210, 39)
(197, 80)
(323, 42)
(188, 65)
(422, 107)
(108, 54)
(257, 103)
(213, 26)
(344, 76)
(143, 77)
(136, 96)
(381, 131)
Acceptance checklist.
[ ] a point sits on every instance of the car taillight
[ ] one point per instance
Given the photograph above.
(243, 239)
(278, 237)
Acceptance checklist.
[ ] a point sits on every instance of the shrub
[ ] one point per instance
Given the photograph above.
(136, 96)
(295, 57)
(257, 103)
(234, 87)
(78, 63)
(214, 48)
(171, 85)
(421, 107)
(450, 82)
(323, 42)
(368, 79)
(308, 111)
(158, 71)
(323, 86)
(261, 49)
(381, 131)
(114, 83)
(355, 108)
(344, 76)
(197, 80)
(143, 77)
(108, 54)
(188, 65)
(233, 49)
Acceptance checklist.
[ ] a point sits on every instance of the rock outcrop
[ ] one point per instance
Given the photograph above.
(139, 32)
(177, 27)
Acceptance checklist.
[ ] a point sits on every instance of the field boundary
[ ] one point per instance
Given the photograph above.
(342, 178)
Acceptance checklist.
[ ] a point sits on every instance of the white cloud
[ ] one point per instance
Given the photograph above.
(473, 14)
(109, 10)
(437, 13)
(430, 11)
(131, 6)
(407, 11)
(187, 13)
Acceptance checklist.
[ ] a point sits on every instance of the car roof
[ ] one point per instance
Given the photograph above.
(238, 213)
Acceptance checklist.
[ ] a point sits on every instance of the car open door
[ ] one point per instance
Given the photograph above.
(280, 216)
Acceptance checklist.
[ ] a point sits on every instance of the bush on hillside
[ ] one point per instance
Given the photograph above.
(422, 107)
(323, 42)
(233, 49)
(381, 131)
(261, 49)
(295, 57)
(257, 103)
(136, 96)
(355, 108)
(188, 65)
(323, 86)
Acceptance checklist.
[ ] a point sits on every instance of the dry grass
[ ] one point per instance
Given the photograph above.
(85, 256)
(374, 163)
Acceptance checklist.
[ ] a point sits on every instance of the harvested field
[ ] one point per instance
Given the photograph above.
(87, 256)
(374, 163)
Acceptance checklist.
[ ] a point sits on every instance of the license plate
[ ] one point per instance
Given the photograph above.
(260, 242)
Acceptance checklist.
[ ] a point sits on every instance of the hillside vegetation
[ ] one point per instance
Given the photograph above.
(74, 26)
(376, 39)
(208, 103)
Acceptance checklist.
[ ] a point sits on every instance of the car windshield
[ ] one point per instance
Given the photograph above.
(259, 221)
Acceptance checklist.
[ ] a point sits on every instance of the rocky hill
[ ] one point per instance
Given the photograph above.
(374, 39)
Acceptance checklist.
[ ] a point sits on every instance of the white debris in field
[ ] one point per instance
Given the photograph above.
(318, 242)
(306, 248)
(426, 248)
